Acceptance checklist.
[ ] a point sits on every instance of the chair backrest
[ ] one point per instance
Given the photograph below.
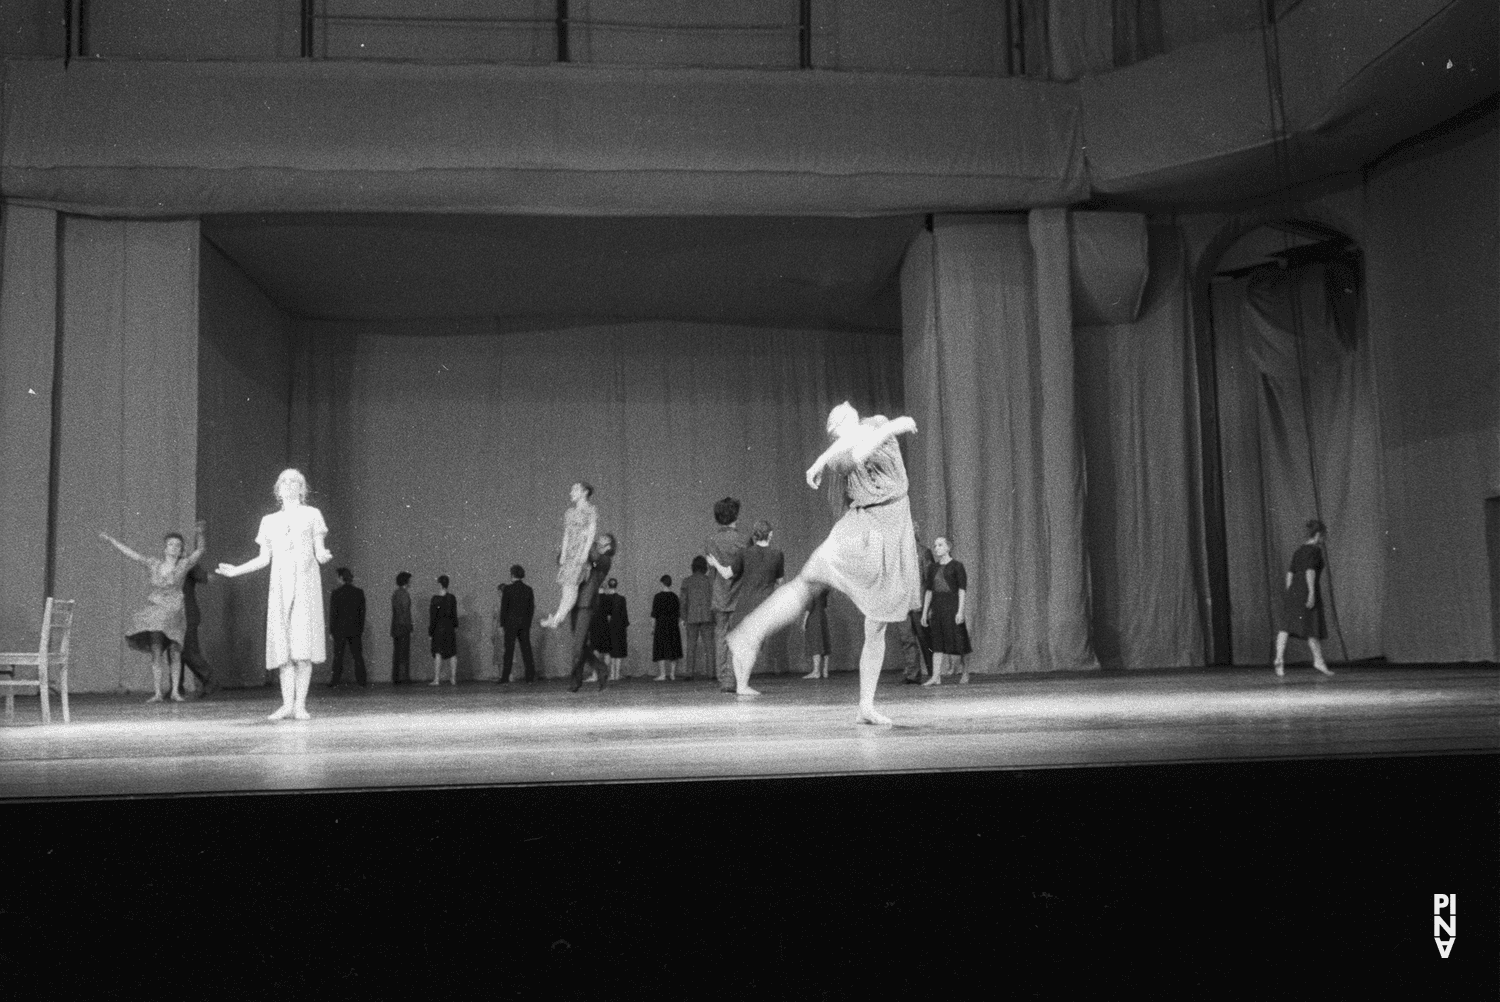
(57, 623)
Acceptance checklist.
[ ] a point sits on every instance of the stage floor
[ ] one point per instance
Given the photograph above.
(482, 734)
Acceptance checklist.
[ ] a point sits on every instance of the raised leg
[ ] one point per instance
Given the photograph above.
(780, 610)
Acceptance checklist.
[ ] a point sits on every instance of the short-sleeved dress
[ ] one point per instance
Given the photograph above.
(1297, 619)
(579, 524)
(666, 636)
(947, 635)
(164, 611)
(871, 554)
(815, 630)
(442, 625)
(763, 567)
(294, 612)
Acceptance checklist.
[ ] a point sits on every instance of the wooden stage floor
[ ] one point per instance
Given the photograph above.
(482, 734)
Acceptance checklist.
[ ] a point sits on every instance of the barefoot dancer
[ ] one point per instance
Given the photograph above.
(292, 545)
(580, 523)
(871, 554)
(1302, 602)
(161, 625)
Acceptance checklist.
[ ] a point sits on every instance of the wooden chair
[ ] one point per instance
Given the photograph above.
(50, 660)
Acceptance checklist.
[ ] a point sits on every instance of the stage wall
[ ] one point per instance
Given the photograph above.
(244, 407)
(445, 447)
(1433, 226)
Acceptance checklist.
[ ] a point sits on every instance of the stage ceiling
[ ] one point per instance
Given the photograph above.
(535, 272)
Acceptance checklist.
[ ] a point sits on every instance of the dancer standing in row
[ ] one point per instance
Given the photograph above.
(871, 554)
(346, 624)
(401, 630)
(580, 523)
(815, 634)
(764, 569)
(517, 607)
(1302, 600)
(724, 551)
(698, 618)
(666, 636)
(442, 627)
(943, 611)
(160, 626)
(292, 544)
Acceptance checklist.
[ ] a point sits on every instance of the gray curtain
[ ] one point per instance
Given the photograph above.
(989, 381)
(1300, 439)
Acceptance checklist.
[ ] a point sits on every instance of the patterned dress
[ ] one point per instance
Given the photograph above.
(871, 554)
(579, 524)
(164, 611)
(294, 610)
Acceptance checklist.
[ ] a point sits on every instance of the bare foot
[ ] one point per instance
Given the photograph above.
(301, 715)
(436, 681)
(745, 690)
(1280, 668)
(963, 679)
(935, 680)
(741, 657)
(659, 678)
(813, 674)
(281, 714)
(155, 699)
(870, 715)
(177, 697)
(1324, 669)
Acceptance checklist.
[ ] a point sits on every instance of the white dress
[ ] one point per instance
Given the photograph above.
(294, 612)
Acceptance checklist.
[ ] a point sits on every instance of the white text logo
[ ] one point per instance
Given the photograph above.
(1445, 929)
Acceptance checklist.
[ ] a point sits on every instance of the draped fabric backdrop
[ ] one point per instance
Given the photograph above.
(994, 466)
(128, 427)
(1138, 410)
(1300, 439)
(445, 447)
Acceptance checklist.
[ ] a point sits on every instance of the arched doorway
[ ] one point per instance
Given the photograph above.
(1296, 434)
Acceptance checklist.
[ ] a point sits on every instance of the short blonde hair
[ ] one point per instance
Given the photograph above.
(291, 474)
(843, 412)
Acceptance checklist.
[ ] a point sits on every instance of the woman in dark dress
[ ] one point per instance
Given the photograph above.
(943, 610)
(666, 635)
(1302, 602)
(764, 568)
(815, 634)
(442, 627)
(619, 623)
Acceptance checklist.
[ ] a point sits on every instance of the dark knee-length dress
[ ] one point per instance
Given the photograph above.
(666, 636)
(619, 622)
(948, 636)
(815, 630)
(442, 625)
(1296, 618)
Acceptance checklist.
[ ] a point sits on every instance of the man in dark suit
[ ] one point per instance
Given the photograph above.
(401, 630)
(916, 645)
(517, 607)
(346, 622)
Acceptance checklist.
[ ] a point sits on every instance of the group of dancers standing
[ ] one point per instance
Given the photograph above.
(870, 555)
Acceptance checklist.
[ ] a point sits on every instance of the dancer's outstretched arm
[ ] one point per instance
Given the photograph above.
(123, 548)
(264, 560)
(200, 543)
(876, 436)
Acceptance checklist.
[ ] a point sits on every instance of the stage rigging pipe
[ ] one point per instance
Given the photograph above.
(562, 31)
(804, 34)
(307, 28)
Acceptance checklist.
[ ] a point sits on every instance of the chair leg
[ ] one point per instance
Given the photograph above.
(10, 706)
(44, 692)
(63, 687)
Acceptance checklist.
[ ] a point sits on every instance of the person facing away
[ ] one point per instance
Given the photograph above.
(724, 551)
(764, 568)
(346, 624)
(666, 636)
(698, 618)
(401, 630)
(517, 607)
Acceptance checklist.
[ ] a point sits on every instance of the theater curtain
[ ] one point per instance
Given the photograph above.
(127, 426)
(986, 324)
(1300, 439)
(446, 447)
(1137, 407)
(28, 344)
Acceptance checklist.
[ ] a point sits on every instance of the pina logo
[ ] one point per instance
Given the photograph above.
(1445, 905)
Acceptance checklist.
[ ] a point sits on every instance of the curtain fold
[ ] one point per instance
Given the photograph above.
(1300, 440)
(990, 385)
(1138, 413)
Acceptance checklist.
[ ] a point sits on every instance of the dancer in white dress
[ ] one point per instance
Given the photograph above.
(870, 556)
(292, 545)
